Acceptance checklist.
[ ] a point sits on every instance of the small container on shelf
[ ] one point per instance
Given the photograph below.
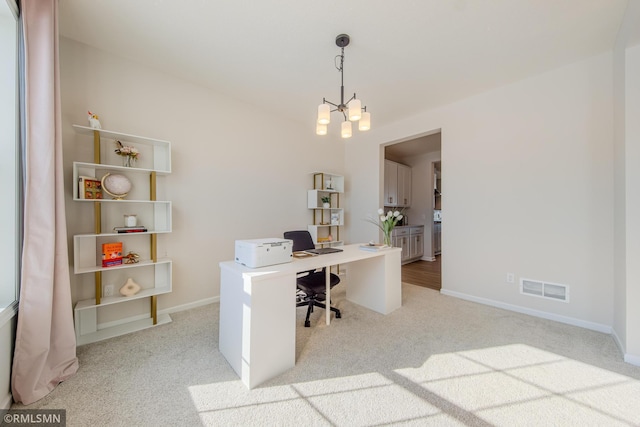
(130, 220)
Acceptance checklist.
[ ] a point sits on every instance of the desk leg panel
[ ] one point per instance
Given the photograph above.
(376, 283)
(257, 325)
(230, 334)
(269, 347)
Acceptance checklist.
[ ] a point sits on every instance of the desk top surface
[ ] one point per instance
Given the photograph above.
(350, 253)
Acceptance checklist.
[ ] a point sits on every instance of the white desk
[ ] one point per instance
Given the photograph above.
(258, 305)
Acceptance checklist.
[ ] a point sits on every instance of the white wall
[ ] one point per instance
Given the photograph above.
(620, 287)
(626, 109)
(238, 172)
(529, 182)
(632, 159)
(8, 320)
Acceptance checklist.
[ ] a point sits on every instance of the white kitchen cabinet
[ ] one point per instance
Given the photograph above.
(411, 240)
(404, 185)
(416, 242)
(390, 183)
(397, 184)
(400, 239)
(152, 273)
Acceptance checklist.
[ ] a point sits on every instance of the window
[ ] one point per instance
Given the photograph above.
(11, 206)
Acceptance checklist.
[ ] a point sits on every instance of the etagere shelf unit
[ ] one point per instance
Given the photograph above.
(152, 273)
(328, 217)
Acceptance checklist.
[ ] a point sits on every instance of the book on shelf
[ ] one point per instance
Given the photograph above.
(375, 247)
(134, 229)
(111, 254)
(89, 187)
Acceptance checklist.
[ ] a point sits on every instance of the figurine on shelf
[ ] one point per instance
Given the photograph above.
(329, 184)
(130, 288)
(93, 121)
(131, 258)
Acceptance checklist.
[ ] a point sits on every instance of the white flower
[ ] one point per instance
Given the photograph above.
(387, 221)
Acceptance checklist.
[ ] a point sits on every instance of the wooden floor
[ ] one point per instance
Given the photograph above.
(424, 273)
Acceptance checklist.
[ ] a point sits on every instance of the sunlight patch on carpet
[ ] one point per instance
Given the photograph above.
(515, 384)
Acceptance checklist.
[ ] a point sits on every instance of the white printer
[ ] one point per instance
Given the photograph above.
(262, 252)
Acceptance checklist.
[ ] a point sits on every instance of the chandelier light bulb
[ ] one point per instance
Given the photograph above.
(321, 129)
(324, 114)
(346, 129)
(355, 110)
(365, 121)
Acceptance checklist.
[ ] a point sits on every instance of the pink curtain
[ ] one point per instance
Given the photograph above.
(45, 350)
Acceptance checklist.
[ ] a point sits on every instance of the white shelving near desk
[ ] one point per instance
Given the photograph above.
(327, 220)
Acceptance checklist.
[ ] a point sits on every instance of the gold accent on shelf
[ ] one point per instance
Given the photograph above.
(154, 247)
(97, 215)
(154, 309)
(152, 186)
(98, 281)
(152, 196)
(96, 146)
(315, 175)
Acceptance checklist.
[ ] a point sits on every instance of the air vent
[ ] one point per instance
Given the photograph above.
(546, 290)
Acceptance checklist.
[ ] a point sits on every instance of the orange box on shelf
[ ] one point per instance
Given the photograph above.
(89, 188)
(111, 254)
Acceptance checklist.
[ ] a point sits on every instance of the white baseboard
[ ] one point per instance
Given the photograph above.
(6, 401)
(632, 359)
(8, 313)
(428, 258)
(617, 340)
(629, 358)
(190, 305)
(537, 313)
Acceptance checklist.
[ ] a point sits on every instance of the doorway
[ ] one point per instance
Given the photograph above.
(422, 153)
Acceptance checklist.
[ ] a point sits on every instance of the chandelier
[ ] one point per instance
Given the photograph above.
(352, 110)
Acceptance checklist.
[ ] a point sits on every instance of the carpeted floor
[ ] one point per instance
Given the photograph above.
(437, 360)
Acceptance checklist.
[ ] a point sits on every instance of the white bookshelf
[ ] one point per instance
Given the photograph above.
(153, 274)
(327, 220)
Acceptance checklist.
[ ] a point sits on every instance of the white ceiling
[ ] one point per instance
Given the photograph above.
(405, 55)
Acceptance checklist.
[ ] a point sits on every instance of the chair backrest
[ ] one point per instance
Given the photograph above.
(302, 240)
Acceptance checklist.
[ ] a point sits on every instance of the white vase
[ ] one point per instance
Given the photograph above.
(326, 205)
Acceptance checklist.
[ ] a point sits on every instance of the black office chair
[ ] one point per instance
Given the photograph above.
(311, 284)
